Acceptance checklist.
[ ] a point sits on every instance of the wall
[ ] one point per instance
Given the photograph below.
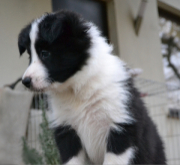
(14, 15)
(173, 3)
(142, 51)
(170, 5)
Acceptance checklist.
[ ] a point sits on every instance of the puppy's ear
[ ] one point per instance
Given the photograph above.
(23, 39)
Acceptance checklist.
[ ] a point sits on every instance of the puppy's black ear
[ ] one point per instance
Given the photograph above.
(23, 39)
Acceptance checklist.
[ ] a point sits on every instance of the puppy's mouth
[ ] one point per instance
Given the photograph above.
(39, 90)
(35, 89)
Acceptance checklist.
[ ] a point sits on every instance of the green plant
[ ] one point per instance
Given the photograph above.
(49, 153)
(30, 155)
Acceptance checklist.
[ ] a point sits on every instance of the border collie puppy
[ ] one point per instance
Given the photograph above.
(97, 112)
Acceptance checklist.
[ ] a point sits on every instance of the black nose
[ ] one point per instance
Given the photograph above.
(27, 82)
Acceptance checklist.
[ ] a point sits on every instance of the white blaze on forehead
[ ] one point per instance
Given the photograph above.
(34, 57)
(33, 37)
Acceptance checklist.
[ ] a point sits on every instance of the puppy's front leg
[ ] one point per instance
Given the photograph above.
(120, 145)
(69, 145)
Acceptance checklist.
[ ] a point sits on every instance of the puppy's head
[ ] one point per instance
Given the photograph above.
(57, 45)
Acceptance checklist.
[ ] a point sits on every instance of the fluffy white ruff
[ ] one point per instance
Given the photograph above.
(93, 99)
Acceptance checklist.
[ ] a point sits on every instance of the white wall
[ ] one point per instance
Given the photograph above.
(173, 3)
(172, 6)
(142, 51)
(14, 15)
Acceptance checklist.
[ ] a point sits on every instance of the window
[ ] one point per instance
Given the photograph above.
(92, 10)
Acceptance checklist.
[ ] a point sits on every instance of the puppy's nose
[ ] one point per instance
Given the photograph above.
(27, 82)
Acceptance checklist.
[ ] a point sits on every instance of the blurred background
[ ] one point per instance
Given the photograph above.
(144, 33)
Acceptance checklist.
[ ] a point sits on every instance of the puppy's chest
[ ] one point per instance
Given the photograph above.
(91, 123)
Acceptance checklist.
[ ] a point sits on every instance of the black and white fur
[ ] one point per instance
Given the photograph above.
(97, 111)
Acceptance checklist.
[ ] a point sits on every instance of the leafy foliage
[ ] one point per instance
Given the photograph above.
(49, 153)
(30, 155)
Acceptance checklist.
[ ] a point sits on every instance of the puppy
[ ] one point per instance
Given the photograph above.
(97, 112)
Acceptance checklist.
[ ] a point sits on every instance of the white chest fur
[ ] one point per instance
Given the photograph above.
(92, 115)
(90, 120)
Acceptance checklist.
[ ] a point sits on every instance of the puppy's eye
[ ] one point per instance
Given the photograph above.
(45, 54)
